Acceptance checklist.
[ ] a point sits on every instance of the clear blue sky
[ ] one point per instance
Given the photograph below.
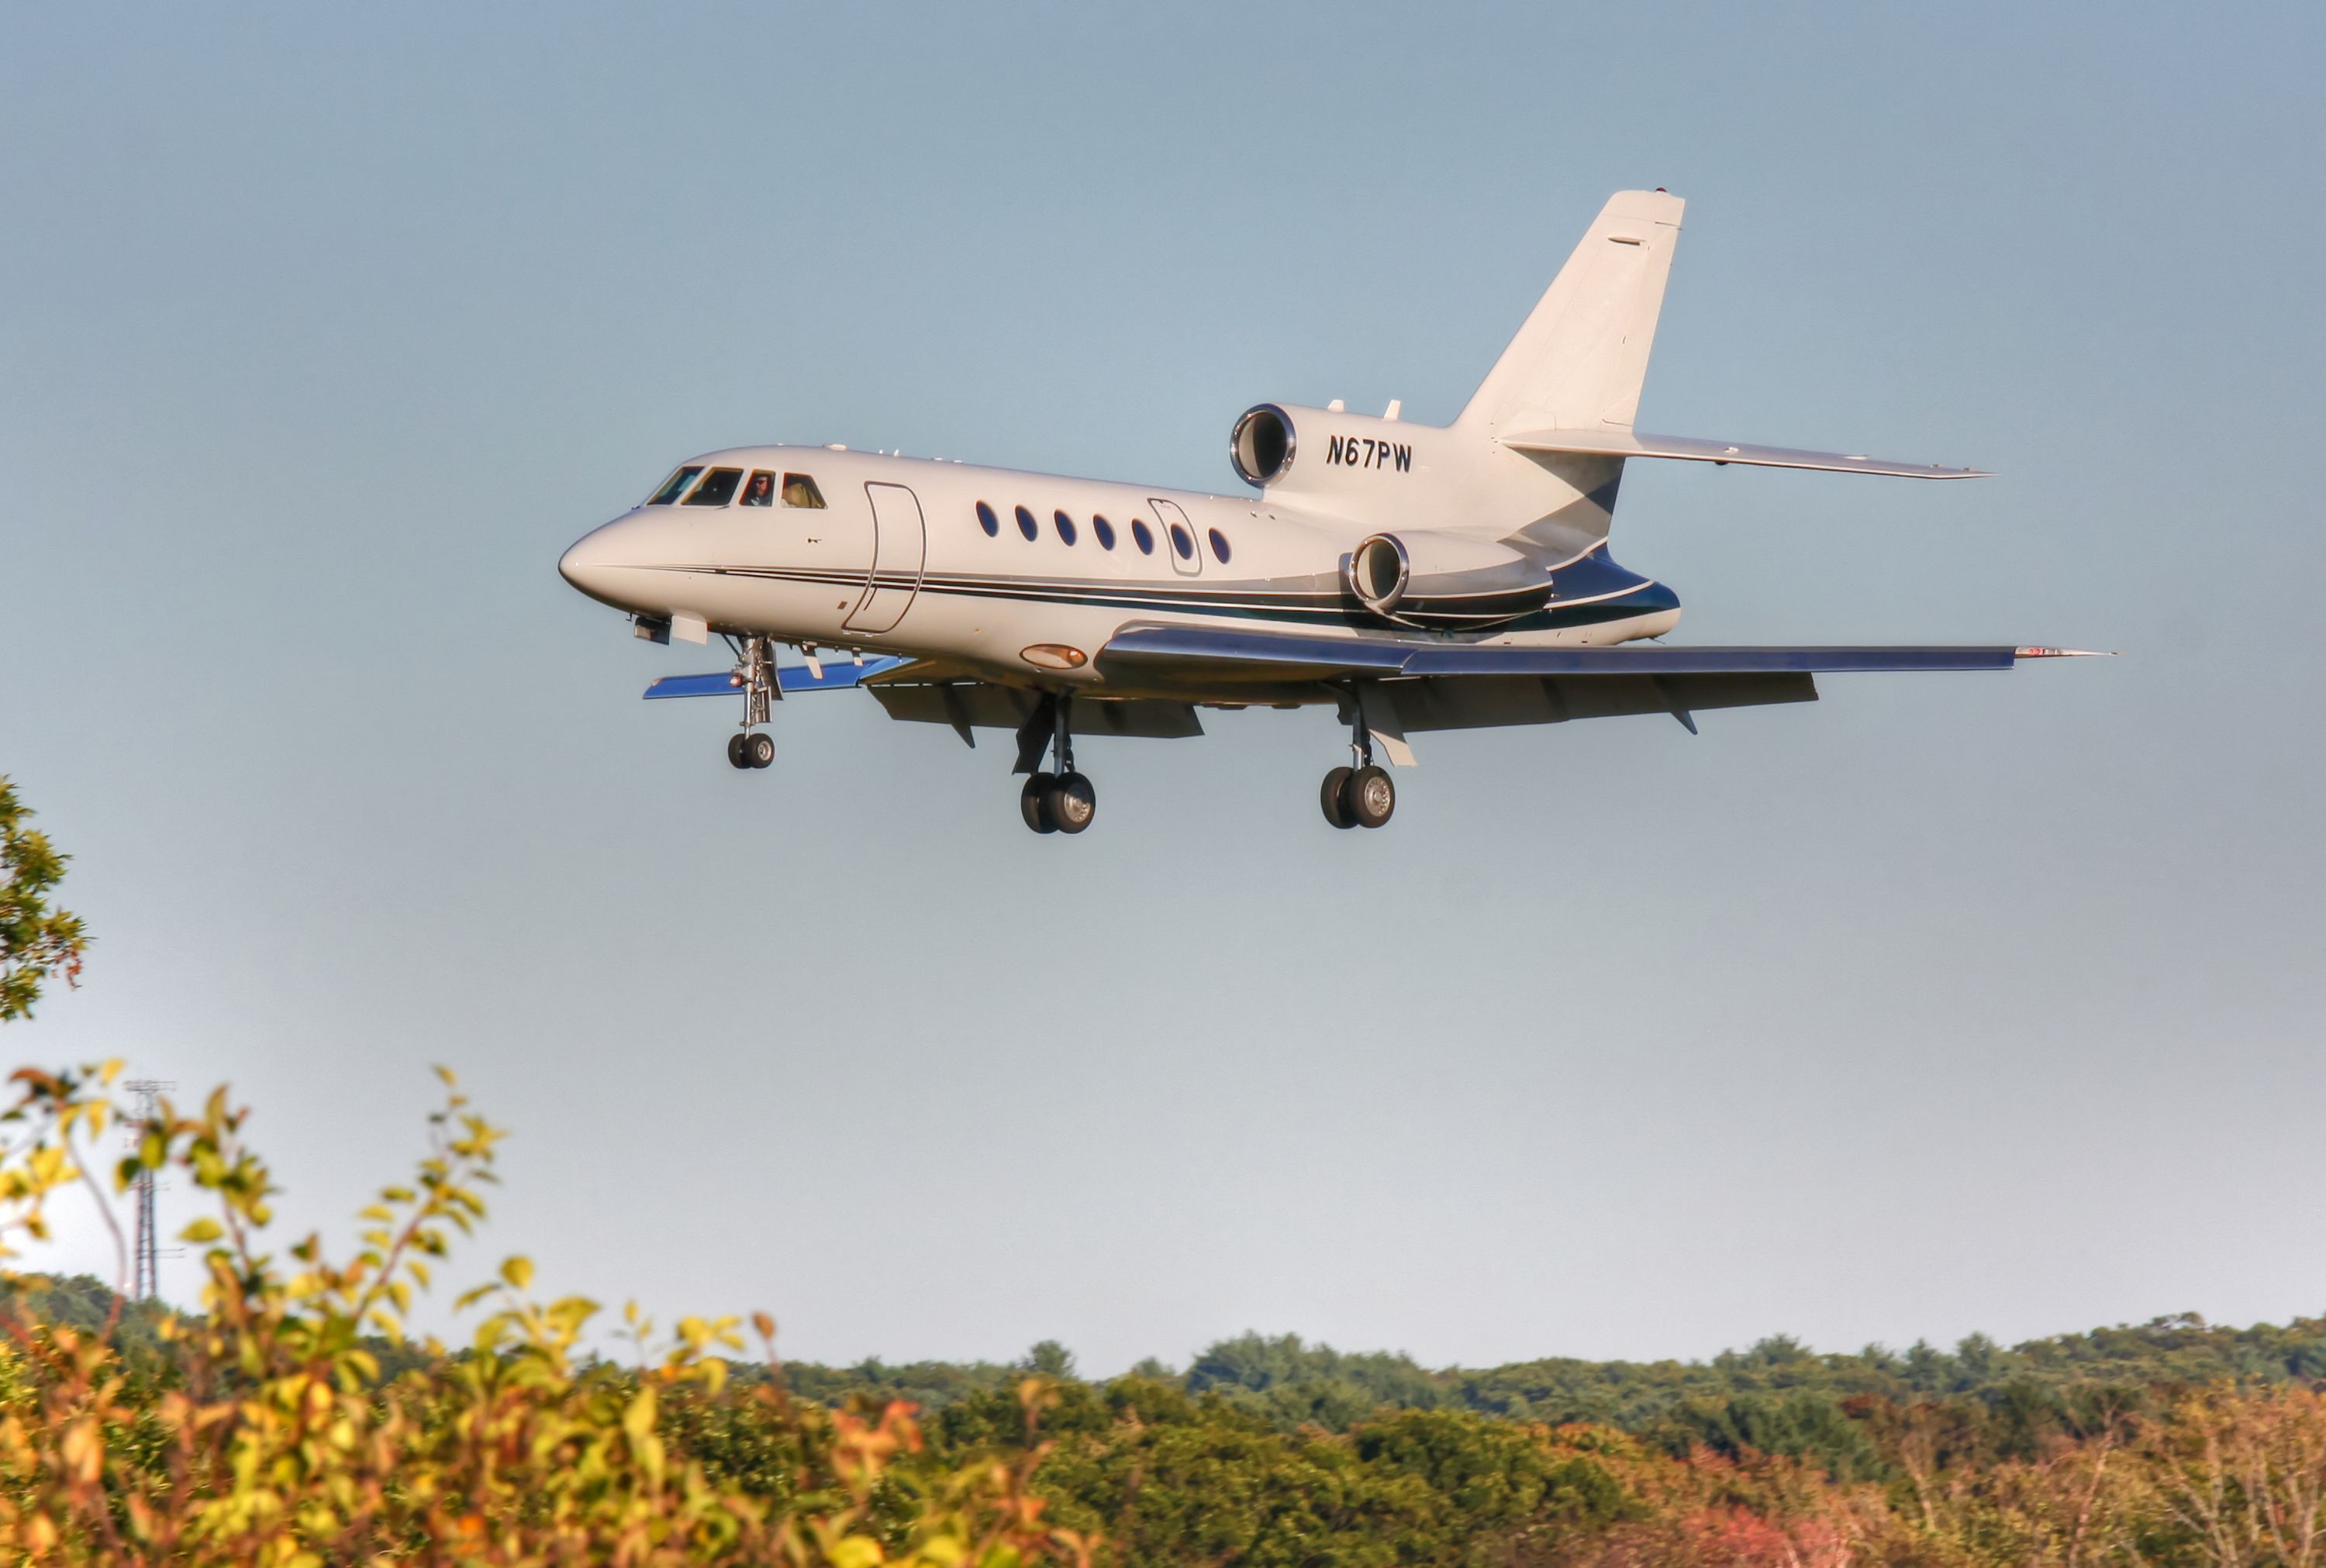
(1947, 1003)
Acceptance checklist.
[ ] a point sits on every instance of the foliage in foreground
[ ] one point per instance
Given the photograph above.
(267, 1431)
(38, 940)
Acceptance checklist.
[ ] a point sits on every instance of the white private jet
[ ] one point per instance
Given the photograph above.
(1416, 577)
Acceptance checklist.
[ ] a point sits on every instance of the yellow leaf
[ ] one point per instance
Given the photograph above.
(855, 1552)
(639, 1418)
(201, 1231)
(518, 1271)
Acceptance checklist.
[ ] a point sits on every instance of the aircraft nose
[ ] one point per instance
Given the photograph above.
(593, 561)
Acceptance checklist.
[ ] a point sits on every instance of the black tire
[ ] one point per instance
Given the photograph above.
(759, 750)
(735, 757)
(1335, 798)
(1072, 803)
(1033, 803)
(1371, 797)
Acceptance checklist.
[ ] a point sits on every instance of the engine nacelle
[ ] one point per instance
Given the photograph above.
(1442, 582)
(1287, 450)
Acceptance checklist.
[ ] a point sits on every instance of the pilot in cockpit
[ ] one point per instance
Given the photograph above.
(761, 490)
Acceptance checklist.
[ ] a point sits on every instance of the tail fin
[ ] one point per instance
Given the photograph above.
(1578, 361)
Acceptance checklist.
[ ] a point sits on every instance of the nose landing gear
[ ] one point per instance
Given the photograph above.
(755, 674)
(1064, 801)
(1361, 796)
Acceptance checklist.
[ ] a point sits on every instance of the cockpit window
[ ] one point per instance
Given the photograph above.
(799, 490)
(761, 490)
(718, 488)
(672, 487)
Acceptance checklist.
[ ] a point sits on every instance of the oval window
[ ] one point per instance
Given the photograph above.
(988, 520)
(1182, 543)
(1141, 537)
(1026, 522)
(1104, 530)
(1065, 526)
(1220, 546)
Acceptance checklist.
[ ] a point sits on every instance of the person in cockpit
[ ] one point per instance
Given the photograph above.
(761, 490)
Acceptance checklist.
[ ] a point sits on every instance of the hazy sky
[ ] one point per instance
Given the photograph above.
(1947, 1003)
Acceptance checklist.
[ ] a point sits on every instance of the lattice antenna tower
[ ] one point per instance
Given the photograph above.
(147, 1271)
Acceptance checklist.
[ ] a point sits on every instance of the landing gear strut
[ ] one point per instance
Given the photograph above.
(755, 673)
(1064, 801)
(1360, 796)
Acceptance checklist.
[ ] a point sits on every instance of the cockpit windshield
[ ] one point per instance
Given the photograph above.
(674, 487)
(718, 488)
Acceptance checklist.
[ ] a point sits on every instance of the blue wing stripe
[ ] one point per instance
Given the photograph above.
(838, 676)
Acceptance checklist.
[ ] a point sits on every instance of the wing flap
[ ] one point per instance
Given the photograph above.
(1491, 702)
(1613, 443)
(968, 705)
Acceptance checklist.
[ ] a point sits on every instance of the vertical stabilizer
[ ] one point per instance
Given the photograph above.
(1578, 361)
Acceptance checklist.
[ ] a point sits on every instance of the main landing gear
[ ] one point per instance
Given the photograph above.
(755, 674)
(1361, 796)
(1063, 802)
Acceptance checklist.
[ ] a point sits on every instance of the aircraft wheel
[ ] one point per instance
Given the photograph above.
(1071, 802)
(1335, 798)
(758, 750)
(735, 757)
(1371, 796)
(1034, 803)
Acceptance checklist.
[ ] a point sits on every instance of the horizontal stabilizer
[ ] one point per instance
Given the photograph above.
(1616, 444)
(837, 675)
(1209, 653)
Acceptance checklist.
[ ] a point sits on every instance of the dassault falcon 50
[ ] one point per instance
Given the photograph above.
(1415, 577)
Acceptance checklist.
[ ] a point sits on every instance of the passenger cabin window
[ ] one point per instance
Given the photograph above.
(761, 490)
(718, 488)
(1026, 524)
(674, 487)
(1104, 530)
(1065, 526)
(1182, 543)
(1142, 536)
(799, 490)
(1220, 546)
(988, 520)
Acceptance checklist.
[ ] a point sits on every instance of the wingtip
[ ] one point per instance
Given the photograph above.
(2066, 653)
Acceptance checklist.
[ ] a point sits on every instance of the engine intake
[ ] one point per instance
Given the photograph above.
(1262, 445)
(1379, 570)
(1444, 582)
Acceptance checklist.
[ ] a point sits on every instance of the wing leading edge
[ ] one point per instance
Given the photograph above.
(1207, 652)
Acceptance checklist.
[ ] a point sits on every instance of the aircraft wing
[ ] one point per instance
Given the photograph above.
(1607, 443)
(1407, 686)
(1214, 653)
(837, 675)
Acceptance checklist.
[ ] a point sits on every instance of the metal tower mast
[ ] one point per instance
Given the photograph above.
(147, 1280)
